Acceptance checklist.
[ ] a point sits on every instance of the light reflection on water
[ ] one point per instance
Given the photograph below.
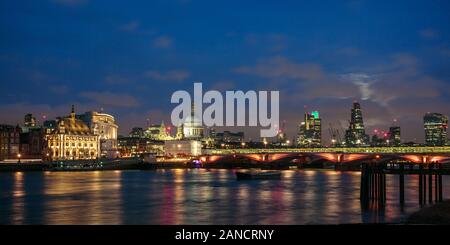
(194, 196)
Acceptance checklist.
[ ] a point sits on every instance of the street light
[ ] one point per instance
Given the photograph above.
(19, 156)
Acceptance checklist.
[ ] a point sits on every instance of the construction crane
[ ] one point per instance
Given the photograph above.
(335, 135)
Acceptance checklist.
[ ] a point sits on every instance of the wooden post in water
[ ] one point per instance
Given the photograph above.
(372, 181)
(378, 182)
(440, 183)
(376, 189)
(384, 184)
(420, 185)
(424, 181)
(430, 184)
(402, 184)
(436, 184)
(362, 190)
(365, 184)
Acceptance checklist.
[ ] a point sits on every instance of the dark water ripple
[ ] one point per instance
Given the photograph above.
(194, 197)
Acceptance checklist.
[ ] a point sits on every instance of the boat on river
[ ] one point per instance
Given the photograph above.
(254, 175)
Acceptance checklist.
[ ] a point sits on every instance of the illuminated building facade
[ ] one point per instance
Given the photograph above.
(9, 141)
(157, 132)
(356, 135)
(137, 132)
(72, 139)
(103, 125)
(180, 132)
(435, 125)
(30, 120)
(310, 131)
(177, 148)
(192, 127)
(394, 136)
(136, 146)
(228, 139)
(32, 140)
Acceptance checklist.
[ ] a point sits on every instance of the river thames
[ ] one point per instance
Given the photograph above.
(195, 196)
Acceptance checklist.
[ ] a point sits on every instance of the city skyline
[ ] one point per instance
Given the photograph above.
(361, 140)
(129, 62)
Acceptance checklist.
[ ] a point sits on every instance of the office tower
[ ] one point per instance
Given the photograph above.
(356, 135)
(435, 125)
(310, 131)
(394, 136)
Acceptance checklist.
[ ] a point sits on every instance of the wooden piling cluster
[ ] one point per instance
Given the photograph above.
(430, 173)
(373, 183)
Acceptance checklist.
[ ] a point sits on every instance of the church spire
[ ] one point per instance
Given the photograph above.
(72, 114)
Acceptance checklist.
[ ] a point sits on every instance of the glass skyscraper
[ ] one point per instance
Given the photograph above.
(356, 135)
(435, 125)
(310, 131)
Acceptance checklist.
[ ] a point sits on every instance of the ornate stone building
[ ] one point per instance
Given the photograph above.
(192, 127)
(157, 132)
(103, 125)
(9, 141)
(72, 139)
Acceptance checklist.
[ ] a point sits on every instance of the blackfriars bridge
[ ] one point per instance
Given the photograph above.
(417, 155)
(375, 162)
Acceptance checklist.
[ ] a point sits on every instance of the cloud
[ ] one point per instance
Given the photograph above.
(273, 42)
(402, 77)
(223, 85)
(398, 88)
(444, 51)
(111, 99)
(42, 112)
(282, 67)
(429, 34)
(130, 119)
(404, 60)
(59, 89)
(162, 42)
(36, 76)
(349, 51)
(70, 3)
(131, 26)
(173, 75)
(363, 81)
(114, 79)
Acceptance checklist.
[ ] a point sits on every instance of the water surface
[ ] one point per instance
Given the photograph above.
(195, 196)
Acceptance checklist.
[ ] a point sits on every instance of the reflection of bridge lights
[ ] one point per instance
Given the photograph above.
(288, 173)
(332, 172)
(437, 159)
(356, 173)
(310, 172)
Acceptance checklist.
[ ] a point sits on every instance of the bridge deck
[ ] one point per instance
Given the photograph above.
(401, 149)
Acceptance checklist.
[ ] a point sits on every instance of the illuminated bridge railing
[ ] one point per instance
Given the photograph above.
(409, 149)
